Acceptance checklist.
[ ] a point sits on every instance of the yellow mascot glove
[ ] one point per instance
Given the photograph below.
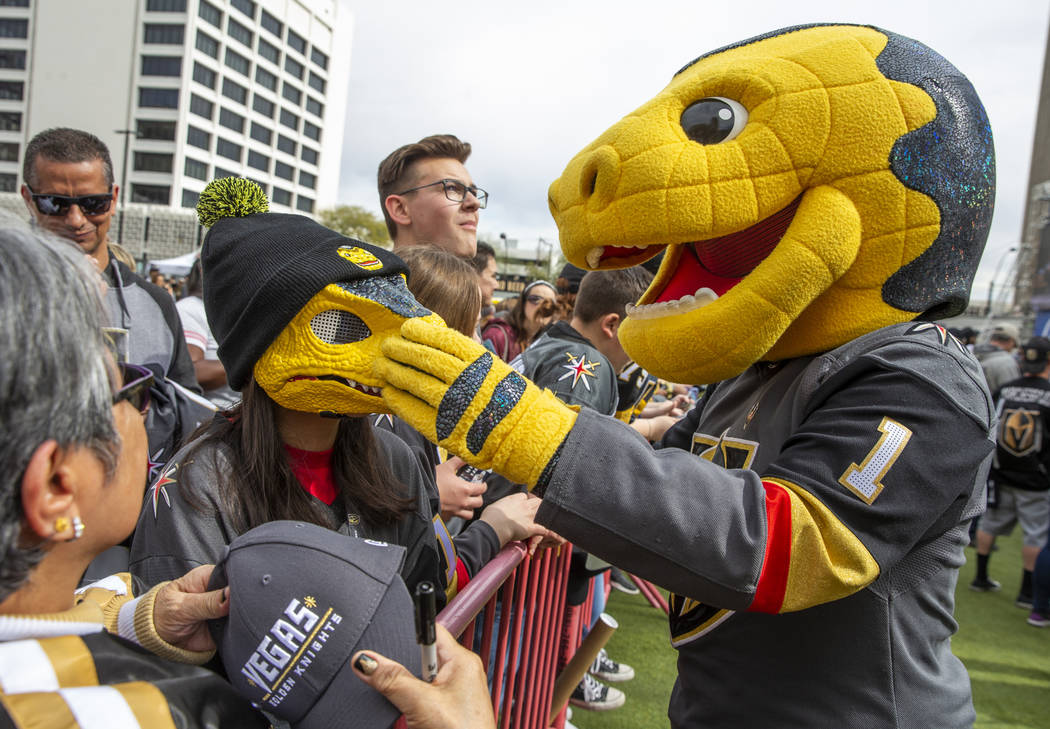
(461, 396)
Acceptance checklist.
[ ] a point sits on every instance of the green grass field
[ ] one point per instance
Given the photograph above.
(1008, 660)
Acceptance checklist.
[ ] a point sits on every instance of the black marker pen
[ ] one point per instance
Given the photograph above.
(426, 635)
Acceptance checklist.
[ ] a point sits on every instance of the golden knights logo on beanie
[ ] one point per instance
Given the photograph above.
(303, 600)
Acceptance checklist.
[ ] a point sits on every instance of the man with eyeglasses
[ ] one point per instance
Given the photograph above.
(69, 189)
(429, 197)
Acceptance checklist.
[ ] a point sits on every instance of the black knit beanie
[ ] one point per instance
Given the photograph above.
(261, 268)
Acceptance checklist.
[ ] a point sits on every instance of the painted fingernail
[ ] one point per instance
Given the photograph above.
(366, 664)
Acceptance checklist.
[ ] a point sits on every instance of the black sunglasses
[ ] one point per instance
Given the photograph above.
(135, 388)
(60, 204)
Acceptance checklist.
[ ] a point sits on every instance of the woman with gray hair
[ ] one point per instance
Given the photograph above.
(72, 475)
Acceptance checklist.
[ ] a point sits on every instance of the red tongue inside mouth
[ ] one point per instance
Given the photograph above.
(721, 263)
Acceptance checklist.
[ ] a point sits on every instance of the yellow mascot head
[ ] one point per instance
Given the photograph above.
(805, 187)
(300, 307)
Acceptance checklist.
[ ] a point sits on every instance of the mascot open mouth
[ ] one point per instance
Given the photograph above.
(695, 274)
(352, 384)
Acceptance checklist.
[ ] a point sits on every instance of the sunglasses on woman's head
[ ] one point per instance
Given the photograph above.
(135, 388)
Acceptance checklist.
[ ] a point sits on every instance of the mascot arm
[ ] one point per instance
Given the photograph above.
(460, 396)
(796, 536)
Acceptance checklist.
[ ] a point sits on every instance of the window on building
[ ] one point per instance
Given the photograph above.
(305, 204)
(229, 150)
(309, 155)
(269, 51)
(210, 13)
(239, 32)
(197, 137)
(296, 41)
(220, 173)
(157, 98)
(231, 120)
(283, 170)
(258, 160)
(166, 6)
(14, 28)
(170, 33)
(290, 120)
(261, 134)
(161, 65)
(152, 162)
(237, 62)
(312, 131)
(12, 59)
(271, 23)
(281, 197)
(155, 129)
(201, 106)
(12, 90)
(234, 91)
(190, 198)
(245, 6)
(316, 82)
(207, 44)
(291, 93)
(9, 151)
(308, 179)
(286, 144)
(14, 3)
(151, 194)
(205, 76)
(314, 106)
(264, 106)
(10, 121)
(8, 182)
(319, 58)
(265, 78)
(196, 169)
(293, 67)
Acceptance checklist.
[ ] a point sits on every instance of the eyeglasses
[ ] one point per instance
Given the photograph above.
(60, 204)
(455, 191)
(135, 390)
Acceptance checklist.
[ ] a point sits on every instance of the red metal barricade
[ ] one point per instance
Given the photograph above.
(520, 649)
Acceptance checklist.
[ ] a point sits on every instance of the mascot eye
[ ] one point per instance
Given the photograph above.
(713, 120)
(335, 326)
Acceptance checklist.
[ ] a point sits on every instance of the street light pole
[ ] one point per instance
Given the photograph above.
(995, 276)
(503, 237)
(123, 183)
(550, 256)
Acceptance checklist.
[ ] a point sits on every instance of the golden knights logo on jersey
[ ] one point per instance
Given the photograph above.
(1020, 432)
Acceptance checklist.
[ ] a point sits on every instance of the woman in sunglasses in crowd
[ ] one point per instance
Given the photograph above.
(532, 311)
(72, 475)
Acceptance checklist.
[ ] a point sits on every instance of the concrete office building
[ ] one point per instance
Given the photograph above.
(185, 91)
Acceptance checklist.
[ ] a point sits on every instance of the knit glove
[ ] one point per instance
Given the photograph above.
(461, 396)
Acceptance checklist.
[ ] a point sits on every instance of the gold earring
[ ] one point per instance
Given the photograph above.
(61, 524)
(78, 528)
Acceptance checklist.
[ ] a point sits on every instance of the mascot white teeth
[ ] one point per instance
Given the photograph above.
(821, 195)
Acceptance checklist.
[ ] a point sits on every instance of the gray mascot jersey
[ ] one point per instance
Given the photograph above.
(811, 522)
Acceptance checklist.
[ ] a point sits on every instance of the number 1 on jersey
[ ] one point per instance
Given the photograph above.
(865, 479)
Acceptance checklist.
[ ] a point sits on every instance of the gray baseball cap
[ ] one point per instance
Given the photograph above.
(303, 600)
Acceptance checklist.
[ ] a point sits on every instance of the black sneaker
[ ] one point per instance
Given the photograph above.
(1023, 601)
(985, 585)
(607, 669)
(622, 582)
(596, 696)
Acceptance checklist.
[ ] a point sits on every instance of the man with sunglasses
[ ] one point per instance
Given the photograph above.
(428, 196)
(69, 189)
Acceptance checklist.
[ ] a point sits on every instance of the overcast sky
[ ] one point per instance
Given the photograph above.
(530, 84)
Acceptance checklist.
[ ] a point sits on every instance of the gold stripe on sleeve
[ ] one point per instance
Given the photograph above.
(43, 710)
(147, 703)
(71, 661)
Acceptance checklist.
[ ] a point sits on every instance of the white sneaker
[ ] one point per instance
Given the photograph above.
(607, 669)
